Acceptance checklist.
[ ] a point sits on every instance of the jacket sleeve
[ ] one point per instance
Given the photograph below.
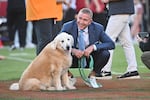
(104, 42)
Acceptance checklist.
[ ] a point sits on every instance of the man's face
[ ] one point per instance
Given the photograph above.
(83, 20)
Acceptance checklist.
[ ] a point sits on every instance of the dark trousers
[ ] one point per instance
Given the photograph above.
(101, 18)
(100, 58)
(69, 15)
(45, 31)
(16, 21)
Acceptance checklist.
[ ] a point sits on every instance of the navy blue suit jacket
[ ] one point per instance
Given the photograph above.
(96, 32)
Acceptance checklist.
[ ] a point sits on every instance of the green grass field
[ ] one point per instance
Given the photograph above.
(16, 61)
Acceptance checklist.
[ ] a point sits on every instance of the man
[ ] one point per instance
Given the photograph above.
(16, 21)
(97, 43)
(99, 11)
(118, 27)
(43, 15)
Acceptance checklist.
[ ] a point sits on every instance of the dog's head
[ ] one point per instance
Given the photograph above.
(63, 41)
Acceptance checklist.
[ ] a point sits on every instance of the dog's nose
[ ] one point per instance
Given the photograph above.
(68, 47)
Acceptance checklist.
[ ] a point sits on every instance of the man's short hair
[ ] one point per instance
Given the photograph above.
(87, 11)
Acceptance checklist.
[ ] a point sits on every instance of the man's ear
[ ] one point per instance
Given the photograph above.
(90, 21)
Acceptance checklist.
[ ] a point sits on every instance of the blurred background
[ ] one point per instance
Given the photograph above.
(30, 39)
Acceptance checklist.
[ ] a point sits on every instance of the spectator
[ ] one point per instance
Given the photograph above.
(97, 43)
(99, 11)
(43, 14)
(136, 18)
(145, 17)
(29, 38)
(69, 10)
(118, 27)
(80, 4)
(144, 44)
(16, 21)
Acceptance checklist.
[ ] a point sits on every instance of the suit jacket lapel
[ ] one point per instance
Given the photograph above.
(75, 33)
(91, 32)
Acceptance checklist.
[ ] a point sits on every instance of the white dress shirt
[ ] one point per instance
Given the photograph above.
(86, 37)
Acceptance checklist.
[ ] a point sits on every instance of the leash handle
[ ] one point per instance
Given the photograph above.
(91, 63)
(89, 81)
(81, 68)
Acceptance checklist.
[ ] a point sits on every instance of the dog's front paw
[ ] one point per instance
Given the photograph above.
(71, 87)
(51, 88)
(60, 88)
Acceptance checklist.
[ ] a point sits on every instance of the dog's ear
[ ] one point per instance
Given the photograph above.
(72, 40)
(53, 44)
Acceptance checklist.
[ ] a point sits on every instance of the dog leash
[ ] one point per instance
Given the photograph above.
(88, 81)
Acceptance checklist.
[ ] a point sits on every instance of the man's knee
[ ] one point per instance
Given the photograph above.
(106, 54)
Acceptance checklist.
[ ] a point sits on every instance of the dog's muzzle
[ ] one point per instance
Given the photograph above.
(68, 48)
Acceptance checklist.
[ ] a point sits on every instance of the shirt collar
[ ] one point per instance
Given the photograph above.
(85, 30)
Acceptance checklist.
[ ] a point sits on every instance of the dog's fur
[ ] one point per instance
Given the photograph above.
(49, 70)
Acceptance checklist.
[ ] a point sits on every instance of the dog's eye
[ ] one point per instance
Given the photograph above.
(62, 41)
(68, 39)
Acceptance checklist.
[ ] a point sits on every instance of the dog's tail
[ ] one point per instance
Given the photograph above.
(14, 86)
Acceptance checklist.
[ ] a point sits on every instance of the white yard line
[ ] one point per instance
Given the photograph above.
(19, 54)
(19, 59)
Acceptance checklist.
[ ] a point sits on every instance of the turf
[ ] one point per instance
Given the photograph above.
(16, 61)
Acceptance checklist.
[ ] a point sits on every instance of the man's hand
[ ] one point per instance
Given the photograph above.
(141, 40)
(78, 53)
(105, 1)
(88, 51)
(62, 1)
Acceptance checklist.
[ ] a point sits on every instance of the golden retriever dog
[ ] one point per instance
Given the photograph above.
(49, 70)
